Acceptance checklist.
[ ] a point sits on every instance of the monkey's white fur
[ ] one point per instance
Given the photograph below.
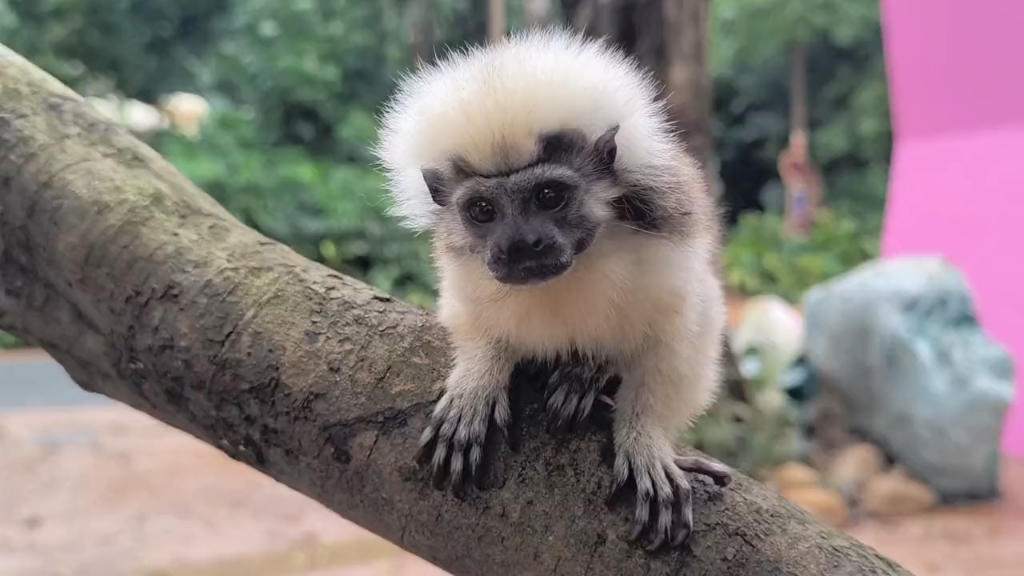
(650, 302)
(489, 103)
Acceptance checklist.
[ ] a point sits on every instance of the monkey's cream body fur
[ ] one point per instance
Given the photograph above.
(649, 302)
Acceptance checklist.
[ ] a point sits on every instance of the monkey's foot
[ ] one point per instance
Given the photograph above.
(572, 389)
(453, 441)
(664, 497)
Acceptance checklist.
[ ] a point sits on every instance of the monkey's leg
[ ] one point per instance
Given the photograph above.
(475, 396)
(576, 382)
(659, 394)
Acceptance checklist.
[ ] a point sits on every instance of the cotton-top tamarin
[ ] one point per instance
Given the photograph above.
(569, 225)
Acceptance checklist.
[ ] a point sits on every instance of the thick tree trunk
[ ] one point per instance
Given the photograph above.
(497, 20)
(421, 29)
(687, 80)
(147, 291)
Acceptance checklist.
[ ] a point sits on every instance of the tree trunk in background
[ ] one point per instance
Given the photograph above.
(686, 77)
(497, 20)
(798, 90)
(670, 37)
(422, 29)
(537, 12)
(147, 291)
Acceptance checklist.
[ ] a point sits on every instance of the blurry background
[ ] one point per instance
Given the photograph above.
(269, 106)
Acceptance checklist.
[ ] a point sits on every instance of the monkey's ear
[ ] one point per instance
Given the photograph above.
(436, 185)
(605, 149)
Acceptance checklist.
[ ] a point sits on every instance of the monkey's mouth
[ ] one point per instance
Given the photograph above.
(531, 272)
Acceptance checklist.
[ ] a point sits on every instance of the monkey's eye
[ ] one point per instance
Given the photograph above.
(480, 211)
(550, 196)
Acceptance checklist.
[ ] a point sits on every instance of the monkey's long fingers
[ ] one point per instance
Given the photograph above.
(442, 451)
(586, 404)
(476, 456)
(662, 521)
(684, 511)
(558, 398)
(457, 461)
(439, 464)
(644, 497)
(641, 516)
(719, 473)
(425, 451)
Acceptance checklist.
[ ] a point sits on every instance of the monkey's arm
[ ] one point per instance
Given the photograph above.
(475, 396)
(662, 391)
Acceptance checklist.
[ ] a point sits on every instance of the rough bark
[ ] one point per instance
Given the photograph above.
(147, 291)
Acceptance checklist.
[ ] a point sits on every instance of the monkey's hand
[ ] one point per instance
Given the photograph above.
(572, 388)
(476, 395)
(664, 497)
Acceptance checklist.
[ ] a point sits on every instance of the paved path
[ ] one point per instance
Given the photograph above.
(30, 379)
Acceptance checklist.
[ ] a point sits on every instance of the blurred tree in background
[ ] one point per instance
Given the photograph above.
(295, 87)
(847, 95)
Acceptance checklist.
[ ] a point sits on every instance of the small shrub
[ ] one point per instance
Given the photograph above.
(760, 259)
(9, 342)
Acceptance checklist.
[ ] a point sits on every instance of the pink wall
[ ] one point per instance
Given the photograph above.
(956, 85)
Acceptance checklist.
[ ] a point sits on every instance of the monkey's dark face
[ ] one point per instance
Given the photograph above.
(529, 225)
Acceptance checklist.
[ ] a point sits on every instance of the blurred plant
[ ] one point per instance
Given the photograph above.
(752, 426)
(9, 342)
(330, 212)
(760, 259)
(141, 48)
(848, 98)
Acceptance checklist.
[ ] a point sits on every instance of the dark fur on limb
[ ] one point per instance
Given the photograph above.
(149, 292)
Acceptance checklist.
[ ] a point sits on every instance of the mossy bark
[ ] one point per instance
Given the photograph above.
(147, 291)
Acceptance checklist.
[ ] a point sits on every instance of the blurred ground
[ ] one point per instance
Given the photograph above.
(91, 488)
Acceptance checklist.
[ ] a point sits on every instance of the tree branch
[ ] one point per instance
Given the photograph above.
(149, 292)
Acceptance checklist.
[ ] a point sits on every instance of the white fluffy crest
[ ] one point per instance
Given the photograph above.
(489, 105)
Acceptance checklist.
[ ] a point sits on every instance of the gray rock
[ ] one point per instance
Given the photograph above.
(898, 340)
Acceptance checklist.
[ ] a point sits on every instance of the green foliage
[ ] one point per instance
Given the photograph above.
(142, 47)
(288, 150)
(757, 30)
(9, 342)
(760, 258)
(296, 85)
(330, 212)
(847, 97)
(313, 72)
(752, 426)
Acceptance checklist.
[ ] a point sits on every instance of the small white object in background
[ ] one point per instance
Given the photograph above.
(186, 112)
(769, 338)
(141, 118)
(138, 117)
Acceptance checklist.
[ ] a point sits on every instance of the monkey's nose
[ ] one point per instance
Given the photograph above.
(527, 249)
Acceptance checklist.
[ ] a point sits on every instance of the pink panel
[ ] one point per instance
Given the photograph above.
(954, 65)
(956, 82)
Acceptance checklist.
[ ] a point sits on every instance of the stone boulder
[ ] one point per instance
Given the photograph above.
(898, 341)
